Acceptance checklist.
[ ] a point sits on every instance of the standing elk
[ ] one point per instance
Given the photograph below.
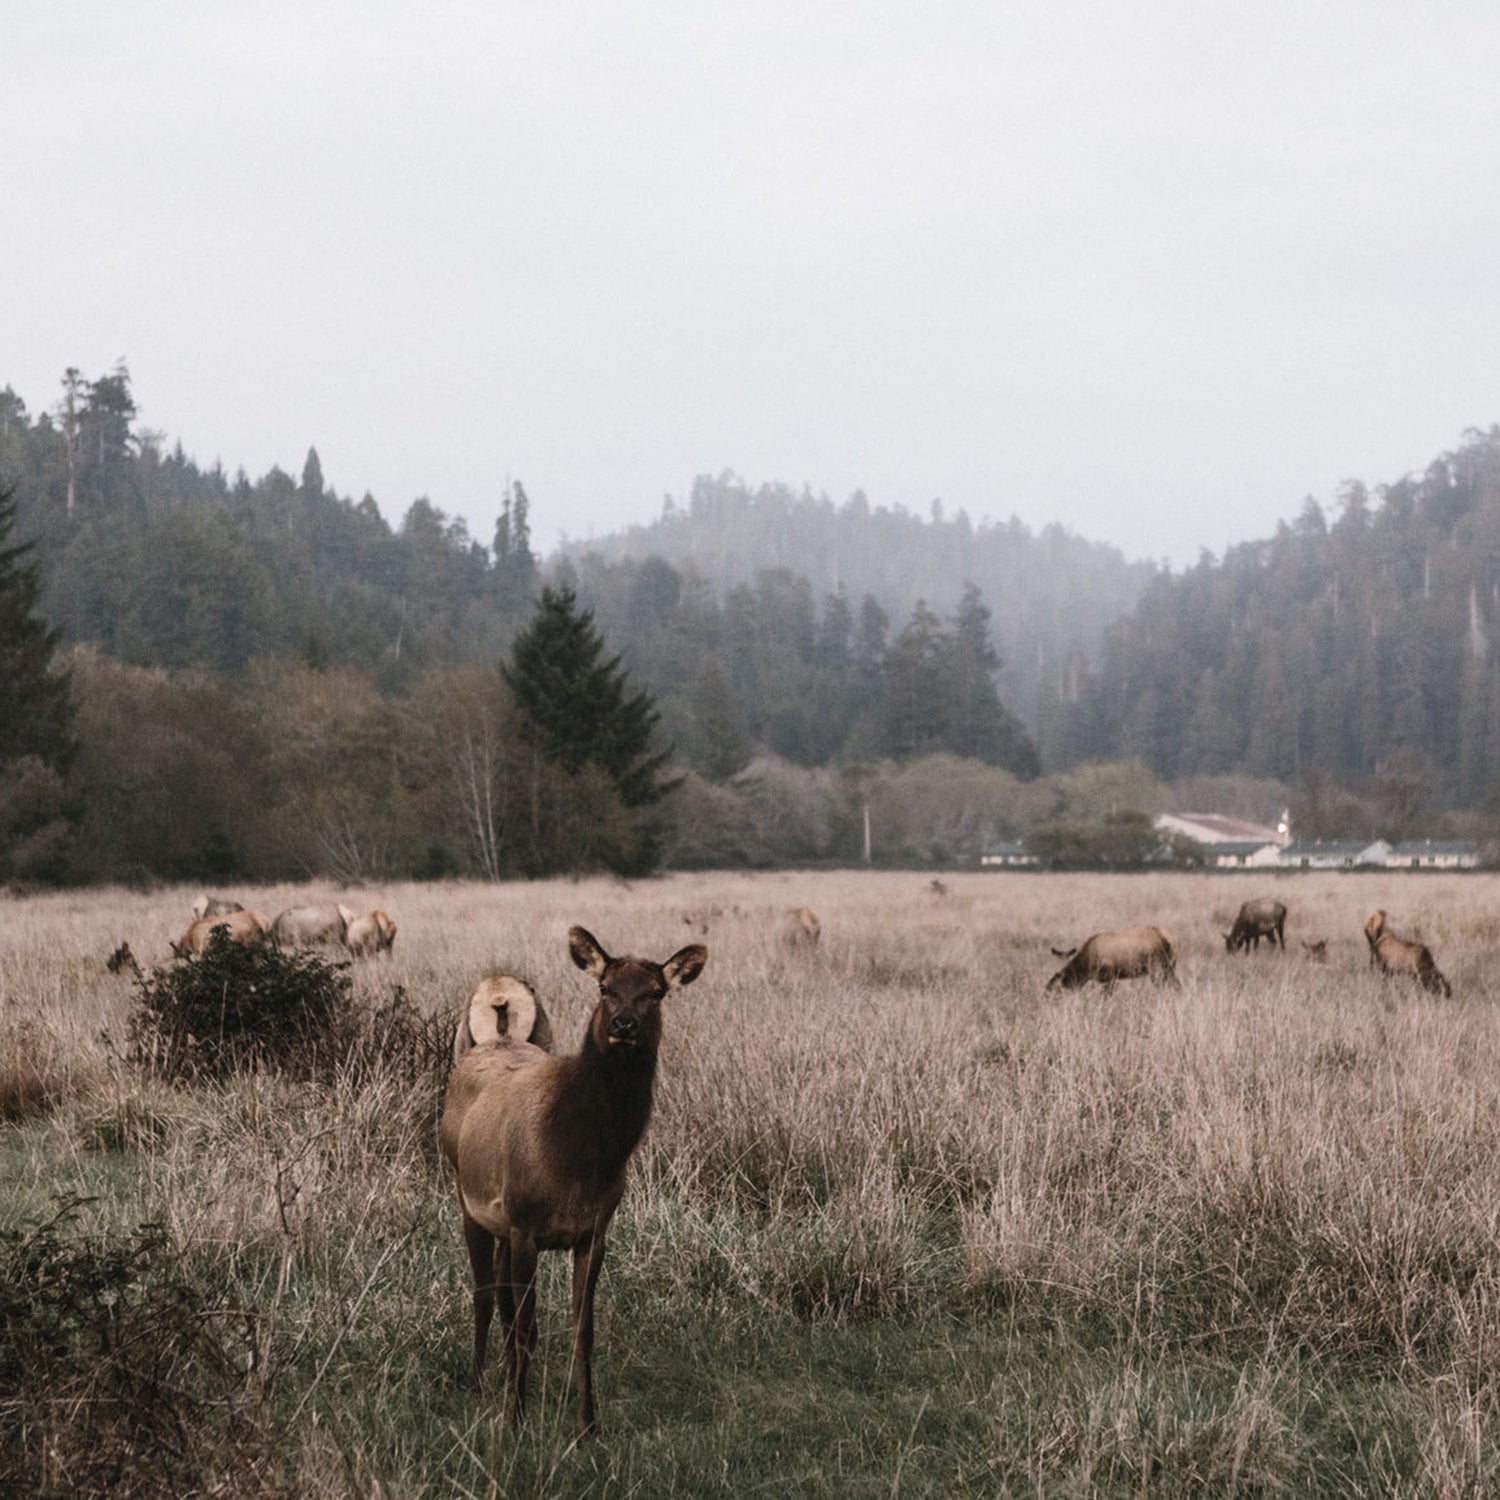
(245, 927)
(800, 929)
(1257, 919)
(1397, 955)
(308, 926)
(540, 1145)
(501, 1006)
(374, 932)
(1109, 956)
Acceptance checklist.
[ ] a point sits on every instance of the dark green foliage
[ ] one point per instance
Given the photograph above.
(236, 1006)
(35, 710)
(119, 1376)
(1119, 840)
(579, 703)
(1366, 650)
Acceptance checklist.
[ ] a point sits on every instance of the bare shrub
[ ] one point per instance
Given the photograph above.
(120, 1376)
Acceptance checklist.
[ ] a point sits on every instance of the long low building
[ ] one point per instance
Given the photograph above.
(1232, 843)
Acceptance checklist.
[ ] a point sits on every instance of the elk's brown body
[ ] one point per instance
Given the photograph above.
(1108, 956)
(801, 929)
(541, 1144)
(1397, 955)
(247, 927)
(1258, 919)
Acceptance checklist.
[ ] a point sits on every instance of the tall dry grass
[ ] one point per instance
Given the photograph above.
(1234, 1235)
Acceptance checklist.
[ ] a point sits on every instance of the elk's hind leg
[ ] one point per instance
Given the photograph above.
(481, 1246)
(520, 1252)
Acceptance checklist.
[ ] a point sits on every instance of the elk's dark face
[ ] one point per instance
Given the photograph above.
(629, 1012)
(631, 990)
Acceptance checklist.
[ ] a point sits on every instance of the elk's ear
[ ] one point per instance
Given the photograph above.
(586, 952)
(685, 965)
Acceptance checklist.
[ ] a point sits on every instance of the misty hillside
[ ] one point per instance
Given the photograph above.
(1051, 594)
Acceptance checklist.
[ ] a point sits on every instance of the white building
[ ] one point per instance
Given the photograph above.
(1434, 854)
(1231, 843)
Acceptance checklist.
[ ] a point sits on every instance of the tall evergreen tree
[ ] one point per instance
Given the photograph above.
(579, 702)
(36, 710)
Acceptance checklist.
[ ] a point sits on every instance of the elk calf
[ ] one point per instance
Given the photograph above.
(1257, 920)
(540, 1145)
(1396, 955)
(1108, 956)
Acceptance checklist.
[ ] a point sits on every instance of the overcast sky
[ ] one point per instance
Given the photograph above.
(1153, 271)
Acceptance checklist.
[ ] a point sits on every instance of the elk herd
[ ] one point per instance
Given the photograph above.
(1140, 952)
(539, 1143)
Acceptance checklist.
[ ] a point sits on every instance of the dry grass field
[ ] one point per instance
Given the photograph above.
(903, 1224)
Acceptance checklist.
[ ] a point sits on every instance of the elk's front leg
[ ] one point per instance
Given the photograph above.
(481, 1246)
(588, 1257)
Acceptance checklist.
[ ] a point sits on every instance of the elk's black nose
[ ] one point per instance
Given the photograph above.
(625, 1028)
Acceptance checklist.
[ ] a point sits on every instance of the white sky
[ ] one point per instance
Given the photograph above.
(1155, 271)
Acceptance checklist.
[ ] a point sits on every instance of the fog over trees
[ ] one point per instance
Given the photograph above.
(265, 677)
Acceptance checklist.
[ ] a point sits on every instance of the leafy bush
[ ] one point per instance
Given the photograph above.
(117, 1375)
(235, 1006)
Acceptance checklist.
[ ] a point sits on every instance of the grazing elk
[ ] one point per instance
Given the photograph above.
(214, 906)
(308, 926)
(1257, 919)
(501, 1005)
(1108, 956)
(374, 932)
(1397, 955)
(800, 929)
(540, 1145)
(245, 927)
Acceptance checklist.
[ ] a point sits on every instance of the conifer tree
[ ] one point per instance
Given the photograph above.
(579, 703)
(36, 711)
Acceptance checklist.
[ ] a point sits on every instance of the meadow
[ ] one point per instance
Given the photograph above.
(903, 1223)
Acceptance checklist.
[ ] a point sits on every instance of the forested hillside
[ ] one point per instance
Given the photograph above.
(162, 563)
(1051, 595)
(269, 678)
(1368, 645)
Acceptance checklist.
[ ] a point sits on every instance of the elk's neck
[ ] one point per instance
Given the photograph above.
(602, 1111)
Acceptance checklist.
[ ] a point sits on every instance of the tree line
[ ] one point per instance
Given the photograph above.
(267, 679)
(263, 679)
(1361, 653)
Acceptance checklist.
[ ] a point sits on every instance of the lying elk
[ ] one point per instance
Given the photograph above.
(246, 927)
(1108, 956)
(1397, 955)
(1257, 919)
(1318, 951)
(541, 1144)
(501, 1006)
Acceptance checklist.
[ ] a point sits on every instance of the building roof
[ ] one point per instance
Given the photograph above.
(1333, 848)
(1414, 847)
(1216, 828)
